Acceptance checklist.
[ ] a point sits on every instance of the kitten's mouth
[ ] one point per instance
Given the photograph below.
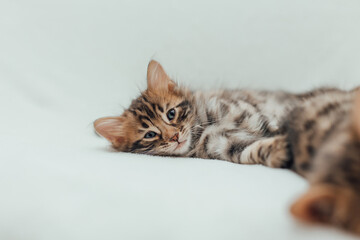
(180, 144)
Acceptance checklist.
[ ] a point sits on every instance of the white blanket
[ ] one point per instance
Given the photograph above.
(65, 63)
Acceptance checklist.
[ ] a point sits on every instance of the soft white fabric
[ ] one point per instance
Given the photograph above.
(65, 63)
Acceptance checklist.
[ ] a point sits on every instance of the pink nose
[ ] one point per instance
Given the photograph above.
(175, 138)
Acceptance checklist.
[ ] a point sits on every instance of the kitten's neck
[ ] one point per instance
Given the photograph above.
(203, 119)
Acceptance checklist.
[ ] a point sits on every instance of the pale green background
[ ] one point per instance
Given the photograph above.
(65, 63)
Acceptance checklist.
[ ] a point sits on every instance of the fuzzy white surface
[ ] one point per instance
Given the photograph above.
(65, 63)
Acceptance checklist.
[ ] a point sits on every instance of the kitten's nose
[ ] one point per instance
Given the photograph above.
(175, 138)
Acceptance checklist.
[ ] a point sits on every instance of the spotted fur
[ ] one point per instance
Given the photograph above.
(219, 124)
(324, 138)
(316, 134)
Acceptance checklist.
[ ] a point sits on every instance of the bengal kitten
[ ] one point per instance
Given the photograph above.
(309, 133)
(224, 124)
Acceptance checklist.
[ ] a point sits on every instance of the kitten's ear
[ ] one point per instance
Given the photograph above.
(111, 128)
(157, 79)
(323, 204)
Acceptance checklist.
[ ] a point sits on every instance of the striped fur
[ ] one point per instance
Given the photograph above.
(218, 124)
(325, 143)
(316, 134)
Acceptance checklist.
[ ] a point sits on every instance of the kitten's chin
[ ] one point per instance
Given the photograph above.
(183, 147)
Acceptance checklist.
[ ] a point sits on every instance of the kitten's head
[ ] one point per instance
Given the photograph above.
(158, 122)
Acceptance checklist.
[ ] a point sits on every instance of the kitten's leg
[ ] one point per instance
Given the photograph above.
(246, 149)
(272, 152)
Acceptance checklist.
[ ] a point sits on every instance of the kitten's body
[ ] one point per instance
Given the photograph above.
(311, 133)
(324, 139)
(229, 121)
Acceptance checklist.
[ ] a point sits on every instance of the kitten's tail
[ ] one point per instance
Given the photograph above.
(323, 203)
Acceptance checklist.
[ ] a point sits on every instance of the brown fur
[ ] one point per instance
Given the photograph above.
(328, 155)
(148, 113)
(316, 134)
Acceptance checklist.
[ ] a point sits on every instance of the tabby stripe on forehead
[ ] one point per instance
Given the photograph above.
(183, 103)
(160, 108)
(145, 99)
(133, 112)
(149, 105)
(141, 117)
(154, 106)
(150, 113)
(144, 125)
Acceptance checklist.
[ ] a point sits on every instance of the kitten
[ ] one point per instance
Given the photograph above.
(240, 126)
(310, 133)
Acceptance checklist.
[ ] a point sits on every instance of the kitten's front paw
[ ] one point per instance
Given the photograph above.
(279, 153)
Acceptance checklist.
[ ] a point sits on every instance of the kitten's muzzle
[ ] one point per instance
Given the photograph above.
(175, 138)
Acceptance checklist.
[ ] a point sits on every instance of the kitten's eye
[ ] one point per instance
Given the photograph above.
(150, 134)
(171, 114)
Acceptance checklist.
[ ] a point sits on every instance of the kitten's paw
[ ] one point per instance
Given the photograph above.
(278, 153)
